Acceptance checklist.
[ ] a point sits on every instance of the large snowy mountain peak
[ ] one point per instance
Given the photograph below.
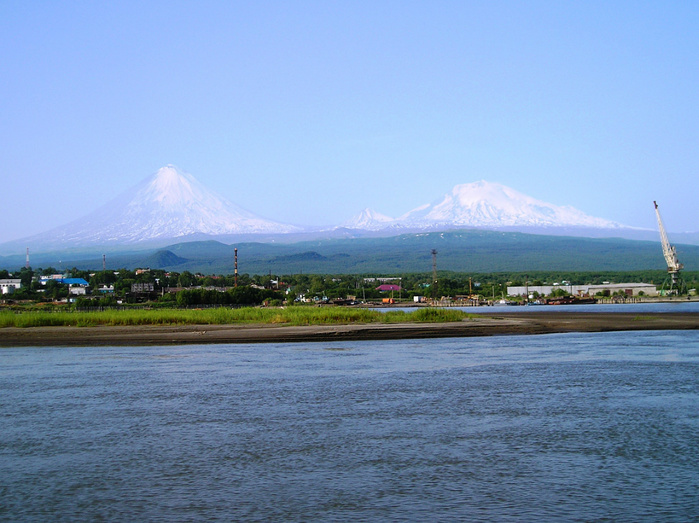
(172, 191)
(496, 193)
(169, 204)
(488, 204)
(169, 186)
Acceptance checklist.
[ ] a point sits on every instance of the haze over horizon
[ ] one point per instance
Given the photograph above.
(309, 110)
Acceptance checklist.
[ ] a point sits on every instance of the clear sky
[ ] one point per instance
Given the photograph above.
(307, 112)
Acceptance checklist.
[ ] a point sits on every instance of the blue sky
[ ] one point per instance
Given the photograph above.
(307, 112)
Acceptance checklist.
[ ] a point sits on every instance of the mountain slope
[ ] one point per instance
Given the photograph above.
(470, 250)
(167, 205)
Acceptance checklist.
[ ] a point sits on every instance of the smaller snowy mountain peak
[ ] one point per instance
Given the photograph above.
(368, 220)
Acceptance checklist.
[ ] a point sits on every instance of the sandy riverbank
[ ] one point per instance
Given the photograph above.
(499, 324)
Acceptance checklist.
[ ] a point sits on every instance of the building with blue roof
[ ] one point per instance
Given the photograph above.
(74, 281)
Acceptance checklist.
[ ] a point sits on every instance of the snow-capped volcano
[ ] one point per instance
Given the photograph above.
(486, 204)
(368, 220)
(170, 204)
(173, 205)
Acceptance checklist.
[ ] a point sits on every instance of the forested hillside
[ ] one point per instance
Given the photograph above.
(461, 251)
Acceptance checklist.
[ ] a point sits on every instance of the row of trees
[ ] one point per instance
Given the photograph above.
(234, 296)
(199, 289)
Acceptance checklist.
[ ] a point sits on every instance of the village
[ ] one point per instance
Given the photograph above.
(163, 288)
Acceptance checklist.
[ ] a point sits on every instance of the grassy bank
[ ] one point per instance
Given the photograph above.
(223, 316)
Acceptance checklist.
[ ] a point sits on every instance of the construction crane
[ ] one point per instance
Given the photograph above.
(673, 264)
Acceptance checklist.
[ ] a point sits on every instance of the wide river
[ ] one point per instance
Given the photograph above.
(574, 427)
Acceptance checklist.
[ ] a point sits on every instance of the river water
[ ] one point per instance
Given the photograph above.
(575, 427)
(650, 307)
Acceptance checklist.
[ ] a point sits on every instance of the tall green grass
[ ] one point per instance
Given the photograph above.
(223, 316)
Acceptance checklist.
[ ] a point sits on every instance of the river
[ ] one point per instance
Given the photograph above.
(649, 307)
(576, 427)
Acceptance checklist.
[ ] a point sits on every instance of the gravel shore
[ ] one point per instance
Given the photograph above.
(497, 324)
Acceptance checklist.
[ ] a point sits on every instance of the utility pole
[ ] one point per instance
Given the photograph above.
(526, 289)
(235, 252)
(434, 274)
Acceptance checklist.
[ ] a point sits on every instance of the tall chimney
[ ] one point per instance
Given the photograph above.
(236, 266)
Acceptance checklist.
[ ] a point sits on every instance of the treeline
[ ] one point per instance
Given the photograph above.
(234, 296)
(187, 289)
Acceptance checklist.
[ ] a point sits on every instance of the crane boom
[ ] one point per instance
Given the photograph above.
(673, 264)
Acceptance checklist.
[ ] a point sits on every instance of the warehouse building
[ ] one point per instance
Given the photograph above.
(630, 289)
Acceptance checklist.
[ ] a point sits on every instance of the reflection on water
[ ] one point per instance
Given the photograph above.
(574, 427)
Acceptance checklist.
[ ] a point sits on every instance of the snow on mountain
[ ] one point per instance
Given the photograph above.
(173, 205)
(170, 204)
(368, 220)
(486, 204)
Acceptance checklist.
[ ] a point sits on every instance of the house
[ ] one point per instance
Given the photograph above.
(43, 280)
(142, 287)
(76, 286)
(388, 287)
(10, 285)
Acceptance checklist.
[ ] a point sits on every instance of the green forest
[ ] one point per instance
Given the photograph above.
(466, 251)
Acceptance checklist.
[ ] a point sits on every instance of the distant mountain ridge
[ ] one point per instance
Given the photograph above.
(473, 250)
(172, 205)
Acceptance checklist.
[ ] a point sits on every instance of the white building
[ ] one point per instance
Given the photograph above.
(78, 290)
(545, 290)
(10, 285)
(630, 289)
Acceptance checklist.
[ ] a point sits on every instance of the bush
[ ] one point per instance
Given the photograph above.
(235, 296)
